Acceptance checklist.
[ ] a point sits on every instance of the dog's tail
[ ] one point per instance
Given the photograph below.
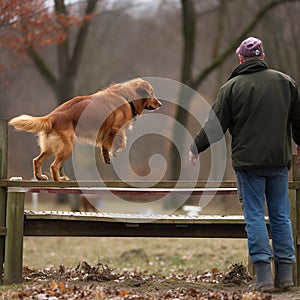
(32, 124)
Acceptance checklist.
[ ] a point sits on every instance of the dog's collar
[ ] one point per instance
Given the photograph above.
(134, 112)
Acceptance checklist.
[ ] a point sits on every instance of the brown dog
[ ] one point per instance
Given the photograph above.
(100, 119)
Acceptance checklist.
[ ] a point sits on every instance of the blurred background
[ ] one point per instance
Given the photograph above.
(54, 50)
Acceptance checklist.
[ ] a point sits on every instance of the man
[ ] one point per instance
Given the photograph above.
(261, 109)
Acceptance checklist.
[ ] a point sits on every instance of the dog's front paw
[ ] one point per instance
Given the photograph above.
(116, 152)
(107, 159)
(106, 156)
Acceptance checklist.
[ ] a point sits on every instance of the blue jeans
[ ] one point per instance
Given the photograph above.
(254, 187)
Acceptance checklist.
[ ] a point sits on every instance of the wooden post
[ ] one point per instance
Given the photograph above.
(250, 266)
(3, 190)
(295, 219)
(14, 238)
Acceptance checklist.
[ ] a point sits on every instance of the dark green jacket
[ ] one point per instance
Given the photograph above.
(261, 109)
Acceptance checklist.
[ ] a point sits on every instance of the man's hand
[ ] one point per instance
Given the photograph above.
(193, 157)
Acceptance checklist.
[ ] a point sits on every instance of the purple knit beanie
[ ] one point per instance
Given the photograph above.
(250, 47)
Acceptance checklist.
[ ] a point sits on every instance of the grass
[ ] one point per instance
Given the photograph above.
(146, 254)
(163, 255)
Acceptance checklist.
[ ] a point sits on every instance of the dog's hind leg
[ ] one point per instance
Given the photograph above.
(63, 175)
(46, 152)
(56, 165)
(37, 165)
(64, 148)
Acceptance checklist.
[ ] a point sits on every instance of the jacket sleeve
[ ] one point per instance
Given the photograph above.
(215, 126)
(295, 113)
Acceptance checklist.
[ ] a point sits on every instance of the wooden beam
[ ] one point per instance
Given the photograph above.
(51, 227)
(116, 184)
(14, 238)
(128, 191)
(134, 218)
(127, 225)
(3, 190)
(29, 184)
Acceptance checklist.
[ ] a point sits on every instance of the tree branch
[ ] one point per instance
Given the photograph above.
(80, 40)
(220, 59)
(220, 27)
(42, 68)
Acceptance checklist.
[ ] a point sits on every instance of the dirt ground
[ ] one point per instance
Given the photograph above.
(102, 282)
(136, 268)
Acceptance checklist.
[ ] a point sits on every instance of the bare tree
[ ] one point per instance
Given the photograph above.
(68, 57)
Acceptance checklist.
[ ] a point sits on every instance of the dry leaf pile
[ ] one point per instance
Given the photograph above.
(102, 282)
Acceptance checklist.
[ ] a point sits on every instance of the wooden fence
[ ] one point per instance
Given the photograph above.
(15, 222)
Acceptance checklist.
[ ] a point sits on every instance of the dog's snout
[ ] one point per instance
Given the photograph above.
(158, 102)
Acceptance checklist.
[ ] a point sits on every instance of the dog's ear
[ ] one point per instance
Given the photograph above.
(143, 90)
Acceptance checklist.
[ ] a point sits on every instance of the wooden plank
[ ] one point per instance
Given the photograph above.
(134, 218)
(3, 190)
(52, 227)
(125, 225)
(117, 184)
(3, 149)
(3, 182)
(121, 184)
(126, 191)
(14, 238)
(294, 185)
(33, 186)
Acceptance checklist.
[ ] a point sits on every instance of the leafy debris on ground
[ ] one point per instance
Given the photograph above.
(102, 282)
(83, 272)
(238, 274)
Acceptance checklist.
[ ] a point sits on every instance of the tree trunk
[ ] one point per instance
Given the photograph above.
(188, 30)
